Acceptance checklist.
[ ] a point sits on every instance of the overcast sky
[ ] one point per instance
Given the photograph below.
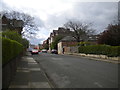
(51, 14)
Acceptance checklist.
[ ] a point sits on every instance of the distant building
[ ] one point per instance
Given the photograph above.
(93, 38)
(46, 44)
(34, 46)
(31, 46)
(40, 46)
(61, 31)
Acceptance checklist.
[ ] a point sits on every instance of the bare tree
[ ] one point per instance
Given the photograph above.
(80, 30)
(111, 36)
(29, 26)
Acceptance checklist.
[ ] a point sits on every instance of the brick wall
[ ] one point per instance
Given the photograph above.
(73, 49)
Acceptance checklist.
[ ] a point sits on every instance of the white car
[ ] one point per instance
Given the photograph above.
(44, 50)
(54, 51)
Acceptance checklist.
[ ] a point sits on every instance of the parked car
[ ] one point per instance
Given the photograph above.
(30, 49)
(34, 51)
(39, 50)
(54, 51)
(44, 50)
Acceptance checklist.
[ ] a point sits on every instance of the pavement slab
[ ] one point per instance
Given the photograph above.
(29, 75)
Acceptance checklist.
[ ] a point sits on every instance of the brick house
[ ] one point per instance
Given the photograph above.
(61, 31)
(66, 42)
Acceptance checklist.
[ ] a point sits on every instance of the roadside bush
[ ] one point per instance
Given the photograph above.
(13, 35)
(111, 51)
(25, 43)
(10, 49)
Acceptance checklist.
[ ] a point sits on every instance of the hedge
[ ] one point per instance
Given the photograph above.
(10, 49)
(13, 35)
(111, 51)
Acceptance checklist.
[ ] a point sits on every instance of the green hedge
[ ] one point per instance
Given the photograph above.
(13, 35)
(111, 51)
(10, 49)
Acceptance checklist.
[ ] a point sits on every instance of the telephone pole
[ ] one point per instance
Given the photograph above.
(119, 13)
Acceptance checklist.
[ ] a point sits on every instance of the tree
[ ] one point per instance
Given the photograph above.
(46, 46)
(111, 36)
(56, 40)
(29, 26)
(80, 30)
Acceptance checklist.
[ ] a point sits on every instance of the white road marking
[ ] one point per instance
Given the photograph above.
(18, 86)
(99, 85)
(23, 71)
(30, 59)
(38, 85)
(32, 62)
(34, 69)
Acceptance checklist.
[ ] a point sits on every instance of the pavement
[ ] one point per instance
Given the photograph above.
(29, 75)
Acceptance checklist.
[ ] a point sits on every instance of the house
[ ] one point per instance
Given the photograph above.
(45, 44)
(12, 24)
(61, 31)
(93, 39)
(69, 44)
(66, 42)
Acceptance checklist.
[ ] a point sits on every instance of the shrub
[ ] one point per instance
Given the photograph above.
(15, 36)
(111, 36)
(112, 51)
(12, 35)
(10, 49)
(25, 43)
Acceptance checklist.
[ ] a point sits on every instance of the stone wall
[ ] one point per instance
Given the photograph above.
(96, 56)
(8, 71)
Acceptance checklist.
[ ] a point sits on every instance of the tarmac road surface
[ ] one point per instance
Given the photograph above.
(66, 71)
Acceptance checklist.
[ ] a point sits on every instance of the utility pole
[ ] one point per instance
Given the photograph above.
(119, 13)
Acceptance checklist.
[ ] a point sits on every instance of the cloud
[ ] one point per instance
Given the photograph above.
(36, 41)
(38, 21)
(51, 14)
(101, 13)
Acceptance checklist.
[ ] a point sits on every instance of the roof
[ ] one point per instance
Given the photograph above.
(68, 39)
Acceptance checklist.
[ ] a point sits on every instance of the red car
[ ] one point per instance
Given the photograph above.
(34, 51)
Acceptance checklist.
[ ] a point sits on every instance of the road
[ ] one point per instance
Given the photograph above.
(65, 71)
